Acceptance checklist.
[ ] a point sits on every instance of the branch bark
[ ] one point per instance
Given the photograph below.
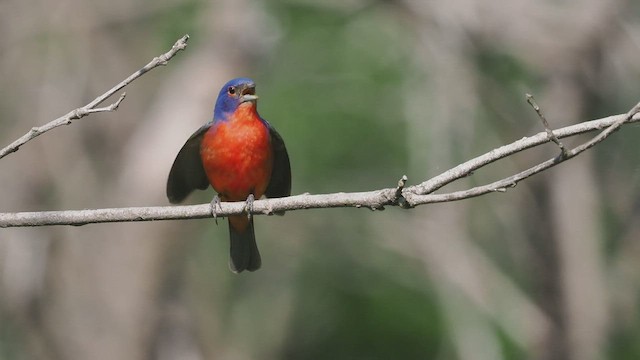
(406, 197)
(91, 108)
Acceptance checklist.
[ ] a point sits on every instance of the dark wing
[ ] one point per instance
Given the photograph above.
(280, 182)
(187, 173)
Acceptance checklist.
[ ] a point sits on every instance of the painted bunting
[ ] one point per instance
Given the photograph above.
(242, 157)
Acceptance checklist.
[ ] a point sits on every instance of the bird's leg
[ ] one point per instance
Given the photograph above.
(249, 205)
(215, 202)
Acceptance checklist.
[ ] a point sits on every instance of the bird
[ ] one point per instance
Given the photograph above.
(242, 157)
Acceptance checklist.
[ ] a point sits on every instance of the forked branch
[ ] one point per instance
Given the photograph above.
(91, 107)
(404, 196)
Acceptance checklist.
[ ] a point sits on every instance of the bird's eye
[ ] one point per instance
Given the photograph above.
(231, 90)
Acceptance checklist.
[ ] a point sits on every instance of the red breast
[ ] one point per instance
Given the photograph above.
(236, 155)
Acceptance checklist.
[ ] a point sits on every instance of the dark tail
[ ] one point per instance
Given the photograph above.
(244, 250)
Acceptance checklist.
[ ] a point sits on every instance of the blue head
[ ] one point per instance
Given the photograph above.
(232, 94)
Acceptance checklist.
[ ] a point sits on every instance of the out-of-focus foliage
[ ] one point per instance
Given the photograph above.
(362, 92)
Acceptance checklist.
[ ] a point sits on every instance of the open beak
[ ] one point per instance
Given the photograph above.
(248, 93)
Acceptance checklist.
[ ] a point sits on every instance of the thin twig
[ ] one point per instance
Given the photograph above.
(82, 112)
(91, 107)
(413, 195)
(545, 123)
(399, 199)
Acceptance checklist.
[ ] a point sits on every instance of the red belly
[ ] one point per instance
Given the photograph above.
(237, 157)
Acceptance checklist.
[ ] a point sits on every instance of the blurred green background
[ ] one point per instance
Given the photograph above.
(362, 92)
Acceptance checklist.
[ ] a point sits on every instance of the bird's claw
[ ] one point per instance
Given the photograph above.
(249, 206)
(215, 202)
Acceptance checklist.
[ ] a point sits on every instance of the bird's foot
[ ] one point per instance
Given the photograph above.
(215, 202)
(249, 205)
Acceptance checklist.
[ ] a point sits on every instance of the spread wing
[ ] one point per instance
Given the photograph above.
(187, 173)
(280, 182)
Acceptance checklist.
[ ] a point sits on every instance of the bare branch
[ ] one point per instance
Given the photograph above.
(525, 143)
(91, 107)
(502, 185)
(399, 196)
(545, 123)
